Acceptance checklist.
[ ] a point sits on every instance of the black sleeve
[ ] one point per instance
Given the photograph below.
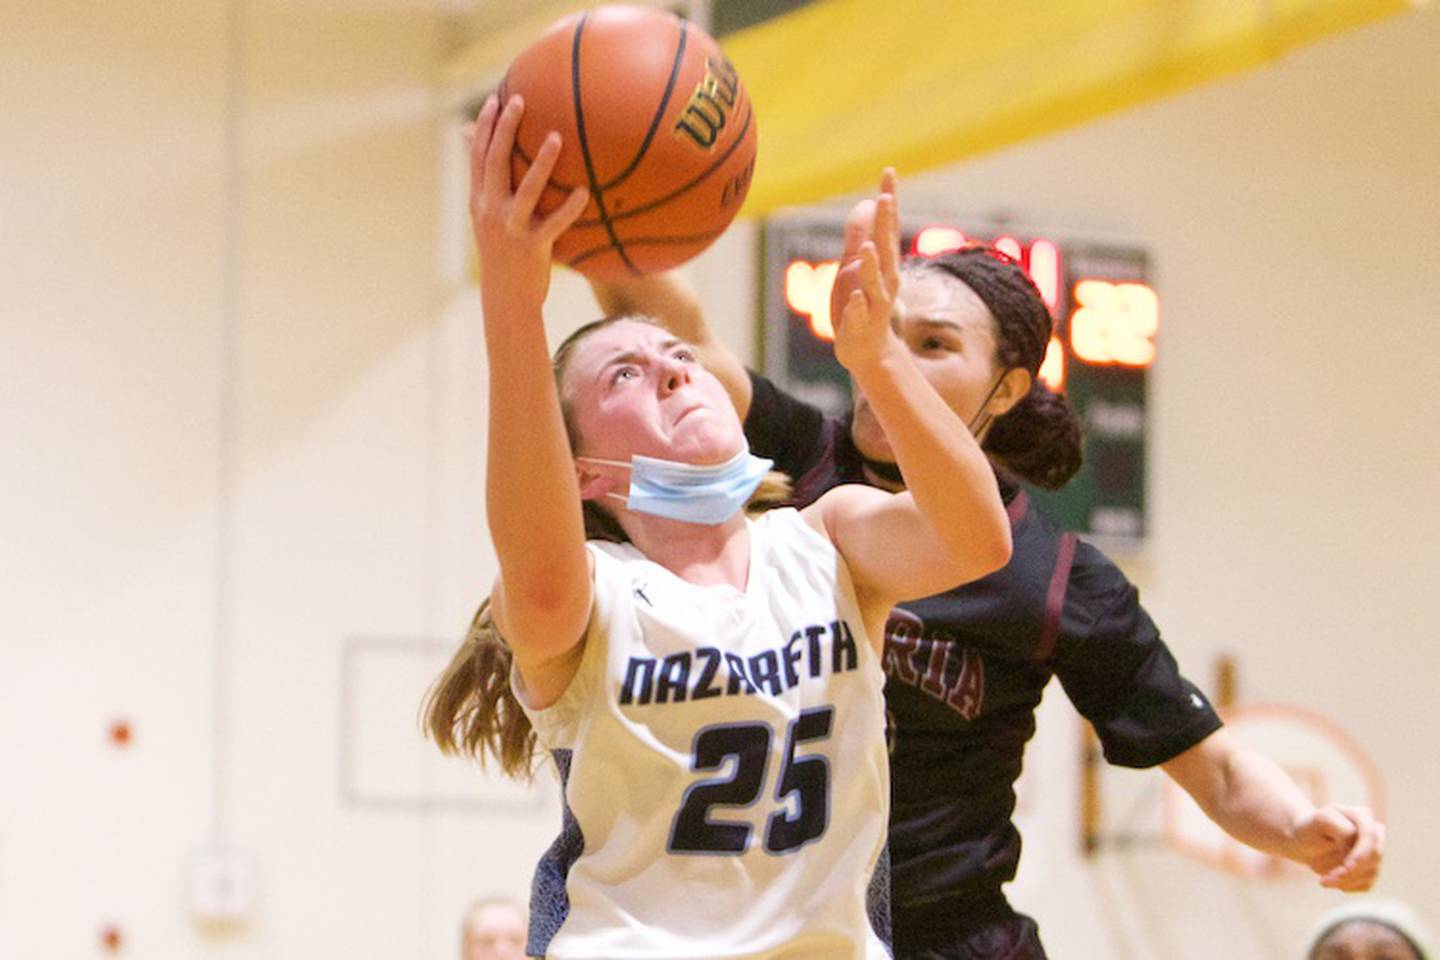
(1119, 673)
(783, 428)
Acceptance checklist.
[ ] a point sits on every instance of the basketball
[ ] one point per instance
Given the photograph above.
(654, 121)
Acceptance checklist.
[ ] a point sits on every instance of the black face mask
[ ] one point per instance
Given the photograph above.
(981, 420)
(890, 472)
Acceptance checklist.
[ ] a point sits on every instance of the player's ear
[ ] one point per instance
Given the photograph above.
(1012, 389)
(596, 484)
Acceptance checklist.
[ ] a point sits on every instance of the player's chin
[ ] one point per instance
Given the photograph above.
(869, 439)
(704, 440)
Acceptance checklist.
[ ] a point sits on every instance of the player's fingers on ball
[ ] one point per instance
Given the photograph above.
(563, 216)
(480, 133)
(532, 184)
(484, 123)
(497, 159)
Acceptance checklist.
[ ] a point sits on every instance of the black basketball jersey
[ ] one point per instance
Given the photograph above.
(965, 671)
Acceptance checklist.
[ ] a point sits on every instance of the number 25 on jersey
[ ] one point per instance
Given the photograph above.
(808, 777)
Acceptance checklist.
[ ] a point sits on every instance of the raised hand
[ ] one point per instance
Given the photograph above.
(514, 243)
(877, 221)
(862, 328)
(1343, 845)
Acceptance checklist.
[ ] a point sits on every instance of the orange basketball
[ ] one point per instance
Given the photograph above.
(654, 121)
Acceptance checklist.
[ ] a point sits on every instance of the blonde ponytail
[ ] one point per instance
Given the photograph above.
(471, 710)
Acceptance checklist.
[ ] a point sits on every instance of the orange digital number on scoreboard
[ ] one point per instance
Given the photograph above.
(807, 292)
(1114, 323)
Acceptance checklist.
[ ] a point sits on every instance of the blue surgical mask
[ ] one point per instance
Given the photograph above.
(706, 494)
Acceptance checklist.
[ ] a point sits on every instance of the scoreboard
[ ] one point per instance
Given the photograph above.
(1106, 320)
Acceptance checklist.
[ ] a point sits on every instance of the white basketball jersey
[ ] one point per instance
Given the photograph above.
(723, 760)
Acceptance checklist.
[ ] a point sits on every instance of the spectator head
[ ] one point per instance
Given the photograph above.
(494, 929)
(1370, 930)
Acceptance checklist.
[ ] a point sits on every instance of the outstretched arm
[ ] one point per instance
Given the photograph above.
(665, 298)
(542, 597)
(950, 525)
(1254, 801)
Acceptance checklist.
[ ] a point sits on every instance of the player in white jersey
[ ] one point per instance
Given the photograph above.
(708, 684)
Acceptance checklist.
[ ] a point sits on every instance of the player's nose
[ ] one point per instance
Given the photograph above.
(673, 375)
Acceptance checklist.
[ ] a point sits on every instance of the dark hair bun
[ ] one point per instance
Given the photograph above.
(1038, 439)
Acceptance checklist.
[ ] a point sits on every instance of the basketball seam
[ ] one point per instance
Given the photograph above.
(644, 242)
(554, 184)
(684, 188)
(660, 110)
(595, 188)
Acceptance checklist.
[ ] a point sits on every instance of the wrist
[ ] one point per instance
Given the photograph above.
(889, 365)
(510, 327)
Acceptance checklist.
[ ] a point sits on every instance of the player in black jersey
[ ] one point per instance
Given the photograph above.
(966, 669)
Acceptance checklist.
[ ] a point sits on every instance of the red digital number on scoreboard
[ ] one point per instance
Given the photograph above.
(1111, 324)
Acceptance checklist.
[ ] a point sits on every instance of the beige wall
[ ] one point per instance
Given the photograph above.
(112, 156)
(1293, 215)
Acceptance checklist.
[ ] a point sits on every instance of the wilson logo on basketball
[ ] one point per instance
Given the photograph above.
(709, 107)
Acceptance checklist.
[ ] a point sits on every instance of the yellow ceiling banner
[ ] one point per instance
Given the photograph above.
(845, 87)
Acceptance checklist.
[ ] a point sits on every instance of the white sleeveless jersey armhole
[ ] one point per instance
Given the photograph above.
(723, 764)
(557, 726)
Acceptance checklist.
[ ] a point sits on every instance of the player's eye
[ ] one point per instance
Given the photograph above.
(626, 372)
(686, 355)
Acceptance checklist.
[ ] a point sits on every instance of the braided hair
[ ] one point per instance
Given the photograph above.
(1038, 439)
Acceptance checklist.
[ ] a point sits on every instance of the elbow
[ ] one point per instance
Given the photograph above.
(981, 554)
(539, 597)
(544, 591)
(543, 622)
(997, 550)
